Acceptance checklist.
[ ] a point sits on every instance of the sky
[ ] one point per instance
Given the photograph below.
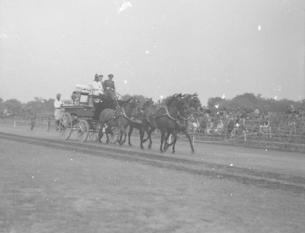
(154, 48)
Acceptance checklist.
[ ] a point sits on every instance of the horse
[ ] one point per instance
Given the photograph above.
(147, 117)
(185, 126)
(128, 117)
(132, 115)
(167, 119)
(110, 113)
(133, 122)
(142, 127)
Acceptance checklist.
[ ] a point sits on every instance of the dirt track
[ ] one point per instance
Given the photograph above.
(219, 189)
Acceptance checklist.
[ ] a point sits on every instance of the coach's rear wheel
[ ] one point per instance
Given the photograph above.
(66, 125)
(83, 130)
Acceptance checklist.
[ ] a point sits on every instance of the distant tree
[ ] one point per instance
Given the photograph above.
(215, 102)
(13, 107)
(303, 104)
(49, 105)
(39, 106)
(249, 102)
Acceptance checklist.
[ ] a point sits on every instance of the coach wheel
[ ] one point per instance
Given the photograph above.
(83, 130)
(67, 125)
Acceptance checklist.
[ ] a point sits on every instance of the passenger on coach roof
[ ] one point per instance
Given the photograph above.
(96, 85)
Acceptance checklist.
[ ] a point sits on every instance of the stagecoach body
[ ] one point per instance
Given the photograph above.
(78, 116)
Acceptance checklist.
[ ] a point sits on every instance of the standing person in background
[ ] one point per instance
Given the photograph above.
(48, 123)
(109, 87)
(32, 120)
(58, 111)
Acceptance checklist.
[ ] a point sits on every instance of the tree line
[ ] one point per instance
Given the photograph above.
(249, 102)
(15, 108)
(245, 103)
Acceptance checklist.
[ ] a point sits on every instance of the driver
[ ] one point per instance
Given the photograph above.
(109, 87)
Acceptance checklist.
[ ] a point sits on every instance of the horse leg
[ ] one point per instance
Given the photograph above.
(174, 142)
(100, 132)
(125, 132)
(141, 131)
(149, 137)
(162, 140)
(119, 140)
(173, 136)
(147, 130)
(123, 136)
(107, 132)
(190, 141)
(129, 134)
(107, 138)
(166, 144)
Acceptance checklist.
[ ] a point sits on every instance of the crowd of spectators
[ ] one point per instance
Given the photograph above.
(279, 126)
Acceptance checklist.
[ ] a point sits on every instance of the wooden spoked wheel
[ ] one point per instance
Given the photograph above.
(66, 125)
(83, 130)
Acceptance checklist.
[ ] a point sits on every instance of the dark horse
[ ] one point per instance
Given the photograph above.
(110, 113)
(127, 115)
(169, 119)
(184, 125)
(134, 115)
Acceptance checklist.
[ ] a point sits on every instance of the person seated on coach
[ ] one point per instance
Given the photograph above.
(96, 85)
(109, 87)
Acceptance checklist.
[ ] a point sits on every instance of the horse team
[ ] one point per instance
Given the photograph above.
(170, 118)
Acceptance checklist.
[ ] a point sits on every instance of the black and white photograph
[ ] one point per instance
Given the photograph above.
(141, 116)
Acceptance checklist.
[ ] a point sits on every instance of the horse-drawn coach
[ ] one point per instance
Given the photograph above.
(90, 116)
(78, 115)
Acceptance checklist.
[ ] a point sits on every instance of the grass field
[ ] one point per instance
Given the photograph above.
(46, 190)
